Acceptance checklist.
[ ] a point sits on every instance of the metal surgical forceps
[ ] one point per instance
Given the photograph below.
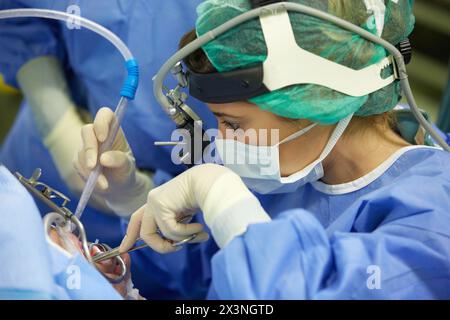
(115, 252)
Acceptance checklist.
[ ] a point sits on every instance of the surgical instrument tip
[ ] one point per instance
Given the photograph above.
(115, 252)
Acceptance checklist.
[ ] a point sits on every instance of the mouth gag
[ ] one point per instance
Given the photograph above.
(127, 92)
(63, 218)
(286, 64)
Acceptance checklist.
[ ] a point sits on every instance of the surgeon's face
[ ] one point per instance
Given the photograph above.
(236, 121)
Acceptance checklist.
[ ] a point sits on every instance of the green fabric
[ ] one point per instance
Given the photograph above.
(245, 45)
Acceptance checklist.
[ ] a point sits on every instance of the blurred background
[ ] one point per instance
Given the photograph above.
(428, 71)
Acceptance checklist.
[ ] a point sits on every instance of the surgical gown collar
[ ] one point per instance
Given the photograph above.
(364, 181)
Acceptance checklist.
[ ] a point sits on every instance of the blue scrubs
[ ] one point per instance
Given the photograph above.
(95, 72)
(32, 266)
(384, 236)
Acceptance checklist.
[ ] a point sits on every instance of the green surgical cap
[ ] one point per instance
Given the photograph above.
(244, 46)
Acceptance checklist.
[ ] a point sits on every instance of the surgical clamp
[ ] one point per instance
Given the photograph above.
(115, 252)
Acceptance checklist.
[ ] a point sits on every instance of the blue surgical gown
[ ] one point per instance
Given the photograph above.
(95, 72)
(33, 267)
(384, 236)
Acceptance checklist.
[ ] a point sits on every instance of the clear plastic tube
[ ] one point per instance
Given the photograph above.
(121, 107)
(63, 16)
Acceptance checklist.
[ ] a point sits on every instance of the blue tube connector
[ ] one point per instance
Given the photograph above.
(132, 81)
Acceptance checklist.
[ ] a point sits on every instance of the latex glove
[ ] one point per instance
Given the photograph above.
(124, 188)
(227, 205)
(43, 84)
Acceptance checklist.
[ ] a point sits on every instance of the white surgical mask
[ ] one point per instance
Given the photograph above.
(259, 166)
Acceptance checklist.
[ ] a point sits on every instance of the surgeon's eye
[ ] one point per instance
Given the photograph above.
(230, 125)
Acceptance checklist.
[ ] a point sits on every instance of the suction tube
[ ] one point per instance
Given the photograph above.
(63, 16)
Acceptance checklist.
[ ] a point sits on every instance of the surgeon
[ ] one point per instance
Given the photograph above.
(36, 265)
(354, 208)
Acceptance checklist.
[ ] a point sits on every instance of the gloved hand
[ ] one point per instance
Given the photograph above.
(43, 84)
(124, 188)
(227, 205)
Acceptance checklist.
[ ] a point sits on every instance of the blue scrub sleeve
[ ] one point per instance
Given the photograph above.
(404, 257)
(23, 39)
